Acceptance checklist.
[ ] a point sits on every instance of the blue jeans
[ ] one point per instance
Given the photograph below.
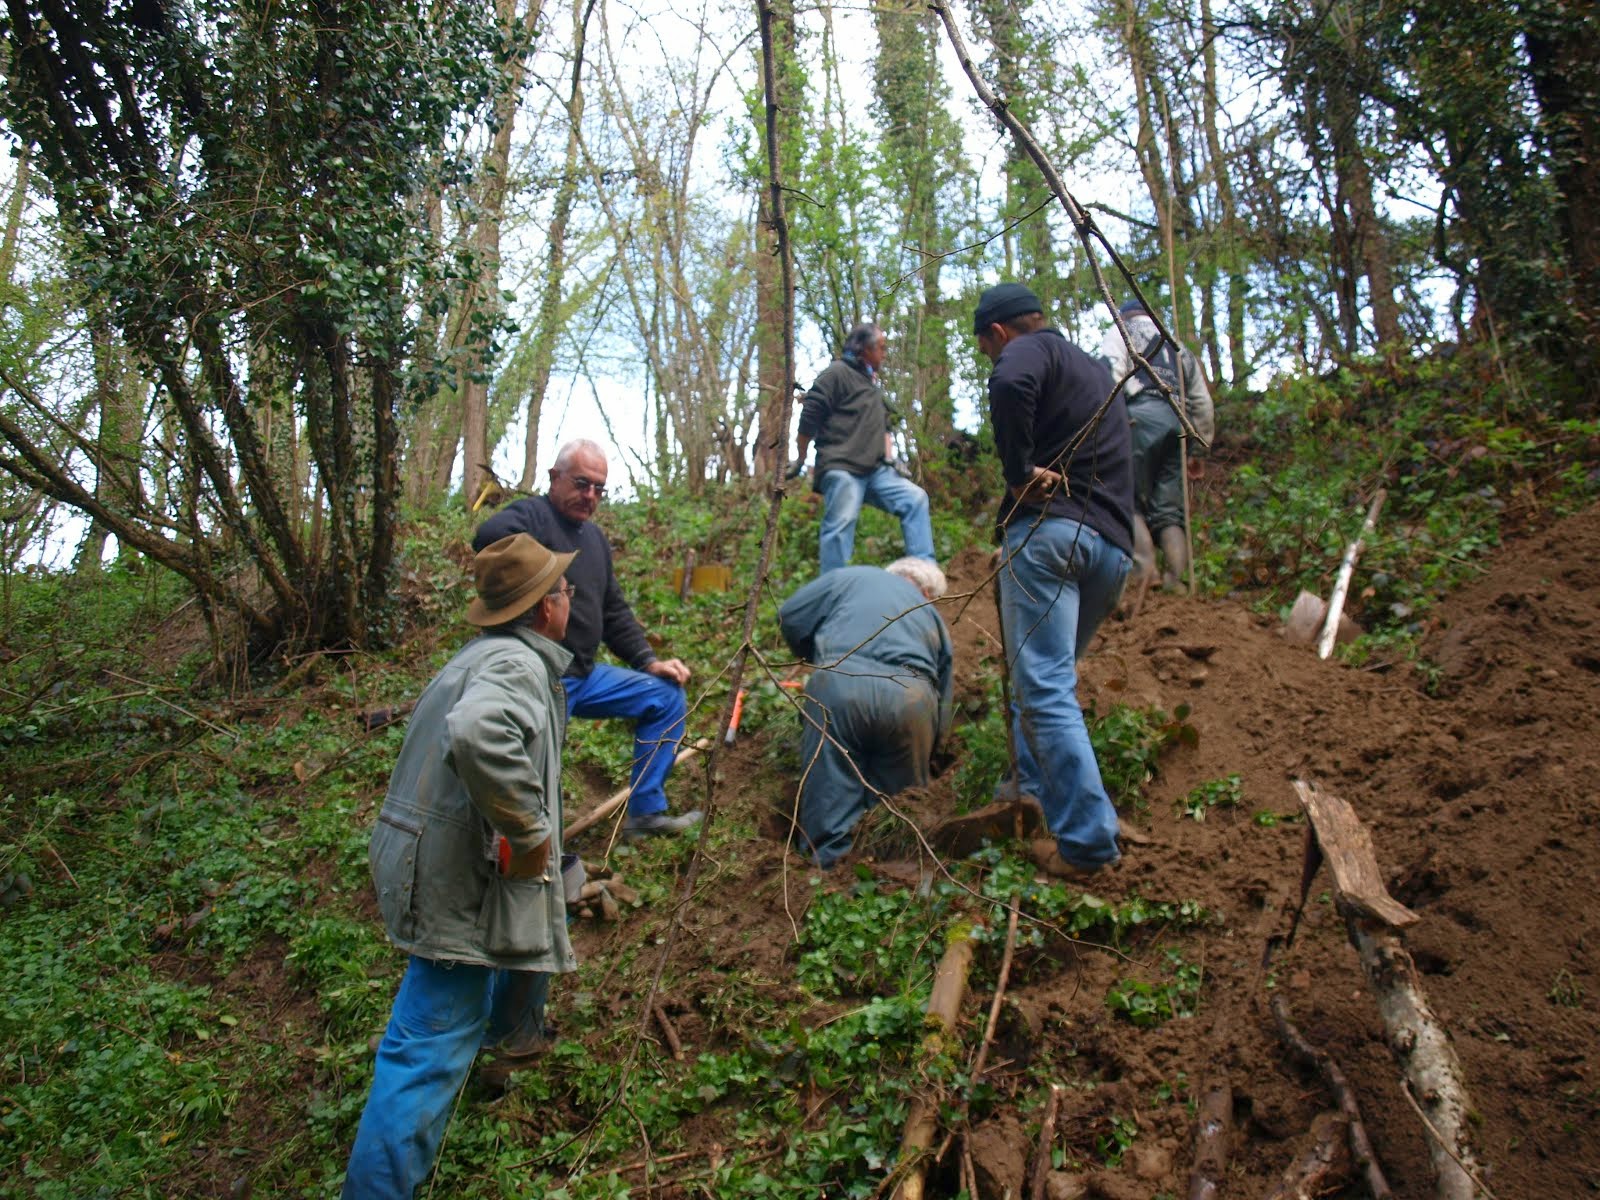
(843, 494)
(443, 1014)
(1058, 580)
(657, 706)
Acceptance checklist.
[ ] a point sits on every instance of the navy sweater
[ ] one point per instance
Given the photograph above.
(1043, 393)
(599, 613)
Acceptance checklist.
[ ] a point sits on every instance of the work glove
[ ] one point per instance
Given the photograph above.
(900, 468)
(796, 469)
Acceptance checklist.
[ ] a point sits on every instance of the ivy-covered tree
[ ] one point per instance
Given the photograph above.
(239, 185)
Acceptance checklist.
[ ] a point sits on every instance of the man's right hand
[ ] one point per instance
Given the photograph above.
(796, 469)
(532, 864)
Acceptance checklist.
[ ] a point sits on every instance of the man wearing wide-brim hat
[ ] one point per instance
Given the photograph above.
(465, 857)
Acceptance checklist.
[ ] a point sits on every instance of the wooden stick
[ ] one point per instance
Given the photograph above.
(1213, 1125)
(1309, 1056)
(613, 802)
(999, 997)
(1322, 1169)
(685, 587)
(1040, 1175)
(949, 985)
(1341, 586)
(674, 1046)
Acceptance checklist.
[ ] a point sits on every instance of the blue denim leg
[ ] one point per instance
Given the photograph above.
(899, 497)
(842, 497)
(434, 1030)
(1058, 581)
(517, 1002)
(884, 724)
(657, 706)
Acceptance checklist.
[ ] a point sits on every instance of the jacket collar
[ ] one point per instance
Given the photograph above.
(556, 656)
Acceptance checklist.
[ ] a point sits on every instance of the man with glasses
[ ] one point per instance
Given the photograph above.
(649, 690)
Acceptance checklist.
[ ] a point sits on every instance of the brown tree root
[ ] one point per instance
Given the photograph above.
(1213, 1126)
(1324, 1168)
(1310, 1057)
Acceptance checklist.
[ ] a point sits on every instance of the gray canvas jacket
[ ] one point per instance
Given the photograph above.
(482, 754)
(1196, 395)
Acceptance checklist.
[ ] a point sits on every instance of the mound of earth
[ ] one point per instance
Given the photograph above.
(1477, 781)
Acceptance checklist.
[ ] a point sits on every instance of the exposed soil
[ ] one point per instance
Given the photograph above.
(1482, 804)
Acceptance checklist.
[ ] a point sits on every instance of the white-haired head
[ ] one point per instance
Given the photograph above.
(927, 576)
(575, 447)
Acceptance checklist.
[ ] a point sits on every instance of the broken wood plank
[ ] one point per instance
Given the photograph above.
(1347, 845)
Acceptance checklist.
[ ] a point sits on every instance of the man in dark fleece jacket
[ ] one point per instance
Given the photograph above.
(649, 691)
(845, 415)
(1066, 531)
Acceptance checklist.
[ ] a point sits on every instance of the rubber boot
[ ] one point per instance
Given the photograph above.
(1175, 548)
(1144, 554)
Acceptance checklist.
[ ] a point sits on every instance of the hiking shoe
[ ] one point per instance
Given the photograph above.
(494, 1077)
(659, 824)
(1047, 857)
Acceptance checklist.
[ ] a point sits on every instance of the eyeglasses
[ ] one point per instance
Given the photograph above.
(569, 591)
(587, 485)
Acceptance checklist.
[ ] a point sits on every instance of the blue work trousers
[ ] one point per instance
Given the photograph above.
(843, 495)
(656, 705)
(881, 719)
(443, 1014)
(1058, 580)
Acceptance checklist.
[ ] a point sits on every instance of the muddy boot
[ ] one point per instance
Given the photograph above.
(1016, 817)
(1175, 548)
(1046, 855)
(494, 1076)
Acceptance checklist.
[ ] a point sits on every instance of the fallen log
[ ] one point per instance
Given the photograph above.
(1431, 1072)
(1213, 1126)
(1323, 1168)
(949, 985)
(1310, 1057)
(615, 801)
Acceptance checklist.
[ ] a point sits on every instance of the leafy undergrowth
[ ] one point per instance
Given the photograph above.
(1467, 451)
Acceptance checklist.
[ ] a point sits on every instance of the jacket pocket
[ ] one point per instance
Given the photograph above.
(393, 858)
(515, 918)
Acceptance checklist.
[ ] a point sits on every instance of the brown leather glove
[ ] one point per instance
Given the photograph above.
(532, 865)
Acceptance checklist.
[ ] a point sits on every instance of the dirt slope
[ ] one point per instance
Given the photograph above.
(1482, 802)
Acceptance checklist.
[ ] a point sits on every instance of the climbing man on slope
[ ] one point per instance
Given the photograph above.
(845, 414)
(1158, 451)
(649, 690)
(466, 861)
(879, 698)
(1065, 528)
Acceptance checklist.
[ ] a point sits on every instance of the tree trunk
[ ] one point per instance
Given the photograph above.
(1564, 53)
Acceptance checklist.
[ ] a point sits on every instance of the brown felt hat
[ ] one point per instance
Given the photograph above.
(512, 575)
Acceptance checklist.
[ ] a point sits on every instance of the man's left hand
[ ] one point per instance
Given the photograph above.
(1197, 468)
(673, 670)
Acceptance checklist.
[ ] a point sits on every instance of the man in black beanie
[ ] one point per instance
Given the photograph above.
(1066, 534)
